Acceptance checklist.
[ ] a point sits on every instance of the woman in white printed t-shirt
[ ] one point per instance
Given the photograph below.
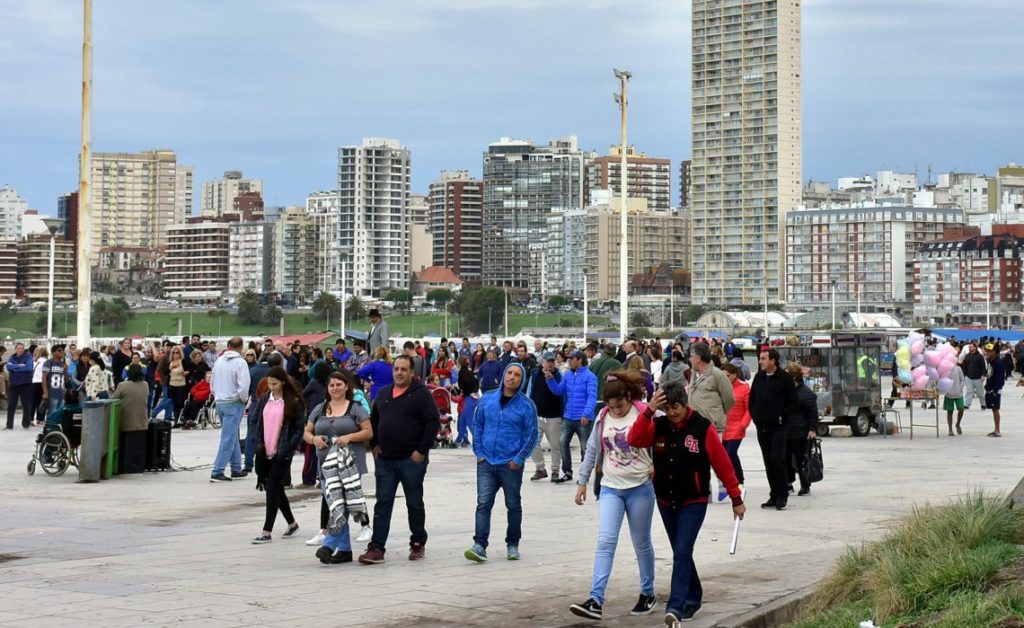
(626, 490)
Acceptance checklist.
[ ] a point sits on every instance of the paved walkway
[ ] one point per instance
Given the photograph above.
(173, 549)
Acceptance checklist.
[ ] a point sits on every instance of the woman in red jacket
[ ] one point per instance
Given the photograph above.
(736, 423)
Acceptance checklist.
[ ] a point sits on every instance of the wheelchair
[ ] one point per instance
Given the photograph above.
(57, 446)
(206, 415)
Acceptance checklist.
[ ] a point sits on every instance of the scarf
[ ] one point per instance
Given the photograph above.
(343, 491)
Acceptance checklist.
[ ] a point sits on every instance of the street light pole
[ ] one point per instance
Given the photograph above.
(586, 309)
(53, 225)
(342, 257)
(623, 101)
(489, 309)
(85, 184)
(833, 305)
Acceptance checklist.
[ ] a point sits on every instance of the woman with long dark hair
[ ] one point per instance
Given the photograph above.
(342, 421)
(98, 383)
(278, 417)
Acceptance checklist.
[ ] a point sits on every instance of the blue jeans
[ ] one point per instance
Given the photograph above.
(489, 478)
(341, 540)
(683, 526)
(466, 419)
(389, 473)
(165, 404)
(570, 428)
(229, 451)
(637, 504)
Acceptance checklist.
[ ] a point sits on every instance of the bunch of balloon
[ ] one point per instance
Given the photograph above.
(918, 365)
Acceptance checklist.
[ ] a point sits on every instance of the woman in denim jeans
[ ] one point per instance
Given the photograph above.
(626, 489)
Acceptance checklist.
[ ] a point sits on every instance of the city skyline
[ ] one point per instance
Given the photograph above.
(233, 86)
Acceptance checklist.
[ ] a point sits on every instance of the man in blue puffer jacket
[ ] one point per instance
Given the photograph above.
(505, 432)
(579, 389)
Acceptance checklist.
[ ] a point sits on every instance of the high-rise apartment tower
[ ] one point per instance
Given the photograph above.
(746, 169)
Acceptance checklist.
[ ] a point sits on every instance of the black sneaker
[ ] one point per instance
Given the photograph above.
(340, 556)
(644, 605)
(323, 554)
(238, 474)
(589, 609)
(562, 479)
(804, 490)
(539, 475)
(781, 505)
(768, 504)
(689, 612)
(220, 477)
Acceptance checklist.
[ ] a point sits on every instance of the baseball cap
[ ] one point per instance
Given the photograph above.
(547, 355)
(578, 354)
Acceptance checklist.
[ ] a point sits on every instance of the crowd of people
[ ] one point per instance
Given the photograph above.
(654, 422)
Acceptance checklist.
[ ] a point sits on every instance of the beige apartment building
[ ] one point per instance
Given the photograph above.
(136, 197)
(219, 195)
(646, 177)
(747, 159)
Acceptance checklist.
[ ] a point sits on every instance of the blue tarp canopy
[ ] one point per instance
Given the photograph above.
(1007, 335)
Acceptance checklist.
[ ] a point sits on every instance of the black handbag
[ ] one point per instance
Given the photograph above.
(814, 466)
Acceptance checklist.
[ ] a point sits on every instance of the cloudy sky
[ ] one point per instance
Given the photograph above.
(274, 87)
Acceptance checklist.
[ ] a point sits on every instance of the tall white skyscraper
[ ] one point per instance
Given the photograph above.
(373, 215)
(747, 155)
(12, 207)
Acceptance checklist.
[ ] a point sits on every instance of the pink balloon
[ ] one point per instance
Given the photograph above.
(920, 371)
(944, 369)
(917, 347)
(920, 383)
(932, 358)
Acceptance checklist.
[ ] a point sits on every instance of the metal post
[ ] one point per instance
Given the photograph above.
(623, 77)
(49, 306)
(833, 304)
(85, 184)
(585, 305)
(342, 295)
(506, 313)
(672, 303)
(766, 306)
(489, 309)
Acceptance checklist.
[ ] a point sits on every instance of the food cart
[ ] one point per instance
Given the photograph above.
(844, 369)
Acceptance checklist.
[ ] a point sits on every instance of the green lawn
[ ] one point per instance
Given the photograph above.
(156, 324)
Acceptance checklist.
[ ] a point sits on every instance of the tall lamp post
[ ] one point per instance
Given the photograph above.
(341, 258)
(586, 309)
(53, 225)
(623, 101)
(833, 305)
(85, 184)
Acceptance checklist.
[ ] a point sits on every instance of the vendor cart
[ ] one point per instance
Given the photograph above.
(844, 370)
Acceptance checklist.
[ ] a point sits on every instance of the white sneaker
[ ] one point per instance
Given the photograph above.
(365, 534)
(316, 540)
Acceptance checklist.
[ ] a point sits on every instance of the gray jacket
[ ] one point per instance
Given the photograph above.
(378, 337)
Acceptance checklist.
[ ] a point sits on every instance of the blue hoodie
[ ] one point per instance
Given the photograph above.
(579, 389)
(505, 433)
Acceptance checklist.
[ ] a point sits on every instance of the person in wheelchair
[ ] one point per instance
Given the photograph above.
(66, 419)
(198, 397)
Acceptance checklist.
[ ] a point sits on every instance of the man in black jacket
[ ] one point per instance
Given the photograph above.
(975, 368)
(405, 423)
(772, 399)
(549, 413)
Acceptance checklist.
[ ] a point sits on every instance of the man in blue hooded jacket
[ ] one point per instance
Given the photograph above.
(504, 436)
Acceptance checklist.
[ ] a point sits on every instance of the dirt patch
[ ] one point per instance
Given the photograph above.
(1014, 572)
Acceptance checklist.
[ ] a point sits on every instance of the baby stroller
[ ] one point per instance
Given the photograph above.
(57, 445)
(198, 414)
(445, 435)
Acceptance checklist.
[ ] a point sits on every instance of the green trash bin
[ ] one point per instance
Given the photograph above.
(112, 461)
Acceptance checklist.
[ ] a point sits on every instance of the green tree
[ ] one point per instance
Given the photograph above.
(326, 303)
(557, 300)
(250, 312)
(355, 309)
(270, 315)
(217, 313)
(440, 296)
(401, 298)
(114, 313)
(474, 305)
(639, 319)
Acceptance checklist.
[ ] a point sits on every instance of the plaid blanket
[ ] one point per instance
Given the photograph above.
(344, 492)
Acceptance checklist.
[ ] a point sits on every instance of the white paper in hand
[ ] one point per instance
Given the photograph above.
(735, 536)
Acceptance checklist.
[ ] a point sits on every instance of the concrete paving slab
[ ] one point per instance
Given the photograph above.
(171, 548)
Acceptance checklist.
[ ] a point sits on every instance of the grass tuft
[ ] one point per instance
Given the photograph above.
(938, 561)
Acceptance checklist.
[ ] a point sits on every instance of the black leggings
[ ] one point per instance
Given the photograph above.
(277, 476)
(178, 395)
